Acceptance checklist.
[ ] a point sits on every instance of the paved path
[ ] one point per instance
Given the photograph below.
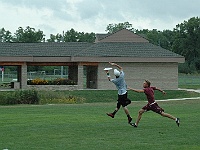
(179, 99)
(191, 90)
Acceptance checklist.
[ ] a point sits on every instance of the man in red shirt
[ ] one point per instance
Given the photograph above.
(152, 105)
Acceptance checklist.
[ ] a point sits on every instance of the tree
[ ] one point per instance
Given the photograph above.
(161, 38)
(52, 38)
(111, 28)
(28, 35)
(72, 36)
(187, 39)
(5, 36)
(86, 37)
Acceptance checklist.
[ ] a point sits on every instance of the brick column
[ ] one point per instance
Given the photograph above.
(80, 77)
(23, 76)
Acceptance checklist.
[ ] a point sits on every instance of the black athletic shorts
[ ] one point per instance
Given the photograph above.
(123, 100)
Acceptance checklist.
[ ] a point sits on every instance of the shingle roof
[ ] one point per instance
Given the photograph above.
(42, 49)
(123, 35)
(122, 49)
(112, 45)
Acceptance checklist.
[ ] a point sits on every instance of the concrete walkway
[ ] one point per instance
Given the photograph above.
(190, 90)
(178, 99)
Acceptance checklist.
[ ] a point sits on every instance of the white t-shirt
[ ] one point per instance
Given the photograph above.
(120, 84)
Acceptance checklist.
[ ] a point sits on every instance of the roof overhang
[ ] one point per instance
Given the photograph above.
(129, 59)
(90, 59)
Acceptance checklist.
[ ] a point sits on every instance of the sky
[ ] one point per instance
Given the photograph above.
(56, 16)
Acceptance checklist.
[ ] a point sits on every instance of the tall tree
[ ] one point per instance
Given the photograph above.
(86, 37)
(28, 35)
(187, 40)
(72, 36)
(5, 36)
(111, 28)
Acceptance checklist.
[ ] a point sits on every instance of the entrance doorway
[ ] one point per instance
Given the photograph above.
(91, 77)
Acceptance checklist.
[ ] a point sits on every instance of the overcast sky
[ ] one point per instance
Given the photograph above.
(54, 16)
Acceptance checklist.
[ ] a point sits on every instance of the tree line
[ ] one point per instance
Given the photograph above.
(184, 39)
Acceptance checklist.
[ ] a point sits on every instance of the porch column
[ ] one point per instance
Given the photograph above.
(23, 76)
(80, 77)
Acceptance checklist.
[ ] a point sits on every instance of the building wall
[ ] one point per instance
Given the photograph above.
(162, 75)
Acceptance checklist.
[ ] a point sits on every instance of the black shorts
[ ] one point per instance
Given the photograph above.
(154, 107)
(123, 100)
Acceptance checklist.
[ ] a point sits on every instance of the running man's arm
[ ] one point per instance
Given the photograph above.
(138, 91)
(160, 90)
(118, 66)
(108, 75)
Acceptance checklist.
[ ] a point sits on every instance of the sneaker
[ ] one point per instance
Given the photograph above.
(110, 114)
(129, 120)
(178, 121)
(133, 124)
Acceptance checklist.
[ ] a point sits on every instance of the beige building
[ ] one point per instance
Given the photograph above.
(139, 59)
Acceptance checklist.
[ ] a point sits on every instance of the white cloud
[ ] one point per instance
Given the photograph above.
(94, 15)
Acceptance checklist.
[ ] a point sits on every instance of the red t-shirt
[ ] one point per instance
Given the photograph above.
(150, 94)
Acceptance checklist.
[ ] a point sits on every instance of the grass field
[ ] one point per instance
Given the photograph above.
(189, 81)
(93, 96)
(85, 126)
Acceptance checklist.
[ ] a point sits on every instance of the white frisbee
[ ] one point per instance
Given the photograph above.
(107, 69)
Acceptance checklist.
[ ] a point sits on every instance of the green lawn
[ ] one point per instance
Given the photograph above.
(189, 81)
(85, 126)
(93, 96)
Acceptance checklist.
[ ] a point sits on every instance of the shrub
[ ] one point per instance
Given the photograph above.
(63, 81)
(27, 97)
(7, 98)
(58, 97)
(19, 97)
(35, 97)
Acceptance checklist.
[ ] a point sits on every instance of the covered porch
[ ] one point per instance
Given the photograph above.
(83, 74)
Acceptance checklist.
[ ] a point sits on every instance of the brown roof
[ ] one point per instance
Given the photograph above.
(127, 49)
(121, 44)
(123, 35)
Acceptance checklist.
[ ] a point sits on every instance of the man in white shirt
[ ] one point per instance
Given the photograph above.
(121, 86)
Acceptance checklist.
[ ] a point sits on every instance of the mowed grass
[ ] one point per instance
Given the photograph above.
(93, 96)
(189, 81)
(85, 126)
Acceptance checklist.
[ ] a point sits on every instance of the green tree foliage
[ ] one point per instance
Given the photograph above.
(5, 36)
(28, 35)
(187, 39)
(111, 28)
(72, 36)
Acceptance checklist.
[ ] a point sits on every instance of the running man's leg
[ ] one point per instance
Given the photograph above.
(141, 111)
(160, 111)
(171, 117)
(127, 113)
(168, 115)
(115, 111)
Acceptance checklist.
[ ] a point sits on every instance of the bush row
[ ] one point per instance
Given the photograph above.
(35, 97)
(19, 97)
